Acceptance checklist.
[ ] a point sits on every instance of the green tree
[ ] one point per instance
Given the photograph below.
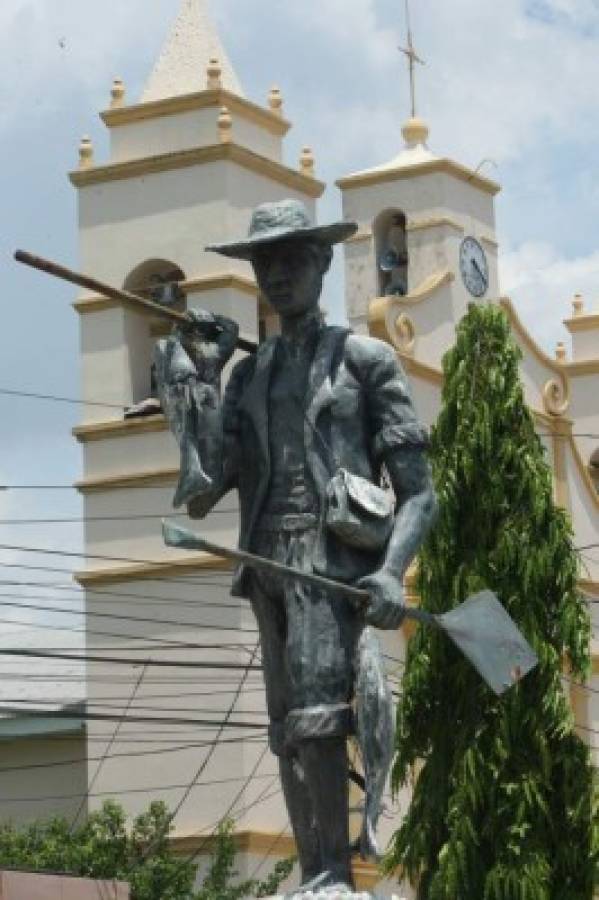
(503, 805)
(105, 848)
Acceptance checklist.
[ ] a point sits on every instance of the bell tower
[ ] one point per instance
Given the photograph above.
(187, 164)
(427, 230)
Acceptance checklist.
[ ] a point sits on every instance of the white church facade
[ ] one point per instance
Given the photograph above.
(187, 164)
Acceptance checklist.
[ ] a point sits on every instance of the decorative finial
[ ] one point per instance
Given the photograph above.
(214, 75)
(412, 58)
(415, 133)
(117, 93)
(307, 162)
(225, 126)
(86, 153)
(560, 352)
(578, 305)
(275, 101)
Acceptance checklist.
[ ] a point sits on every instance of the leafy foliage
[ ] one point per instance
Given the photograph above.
(103, 848)
(503, 806)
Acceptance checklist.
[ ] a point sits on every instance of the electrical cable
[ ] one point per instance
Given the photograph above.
(119, 791)
(144, 620)
(200, 771)
(171, 721)
(109, 746)
(130, 661)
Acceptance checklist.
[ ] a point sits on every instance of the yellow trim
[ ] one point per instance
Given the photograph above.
(530, 342)
(132, 479)
(556, 395)
(427, 288)
(589, 586)
(447, 166)
(181, 159)
(587, 322)
(100, 431)
(491, 241)
(212, 99)
(94, 304)
(358, 237)
(434, 222)
(560, 482)
(193, 285)
(171, 568)
(214, 282)
(366, 874)
(422, 370)
(583, 470)
(584, 367)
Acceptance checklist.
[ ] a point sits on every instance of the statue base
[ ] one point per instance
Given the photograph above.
(334, 895)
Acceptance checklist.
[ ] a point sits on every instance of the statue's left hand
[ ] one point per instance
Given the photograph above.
(386, 608)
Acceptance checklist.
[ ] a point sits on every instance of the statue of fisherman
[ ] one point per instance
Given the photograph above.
(305, 428)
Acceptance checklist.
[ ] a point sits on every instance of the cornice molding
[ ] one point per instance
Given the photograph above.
(173, 568)
(194, 285)
(587, 322)
(131, 479)
(446, 166)
(212, 99)
(434, 222)
(581, 367)
(182, 159)
(119, 428)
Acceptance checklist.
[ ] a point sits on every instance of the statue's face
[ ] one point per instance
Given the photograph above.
(290, 273)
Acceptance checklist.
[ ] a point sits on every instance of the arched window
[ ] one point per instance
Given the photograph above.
(391, 252)
(158, 280)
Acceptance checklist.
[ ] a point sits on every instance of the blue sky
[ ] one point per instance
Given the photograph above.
(514, 82)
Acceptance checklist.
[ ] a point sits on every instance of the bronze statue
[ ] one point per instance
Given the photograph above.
(305, 427)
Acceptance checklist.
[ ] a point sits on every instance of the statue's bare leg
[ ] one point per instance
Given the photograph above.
(326, 768)
(301, 816)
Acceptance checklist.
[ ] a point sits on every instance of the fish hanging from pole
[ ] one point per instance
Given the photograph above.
(188, 369)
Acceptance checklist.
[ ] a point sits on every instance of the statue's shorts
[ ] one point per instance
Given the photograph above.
(308, 640)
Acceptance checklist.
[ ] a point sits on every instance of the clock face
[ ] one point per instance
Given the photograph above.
(474, 267)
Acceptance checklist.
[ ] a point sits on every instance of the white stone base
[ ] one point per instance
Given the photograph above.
(340, 895)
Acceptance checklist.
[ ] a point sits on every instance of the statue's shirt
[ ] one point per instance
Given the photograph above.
(290, 489)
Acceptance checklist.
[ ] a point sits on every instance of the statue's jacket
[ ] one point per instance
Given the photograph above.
(357, 410)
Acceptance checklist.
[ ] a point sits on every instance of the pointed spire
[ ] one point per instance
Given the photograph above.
(192, 43)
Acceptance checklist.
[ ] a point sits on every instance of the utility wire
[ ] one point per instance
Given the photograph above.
(121, 617)
(124, 661)
(127, 790)
(109, 746)
(171, 721)
(83, 520)
(202, 768)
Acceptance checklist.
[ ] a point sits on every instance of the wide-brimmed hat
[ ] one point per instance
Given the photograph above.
(284, 221)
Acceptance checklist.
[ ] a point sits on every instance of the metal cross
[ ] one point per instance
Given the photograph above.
(413, 58)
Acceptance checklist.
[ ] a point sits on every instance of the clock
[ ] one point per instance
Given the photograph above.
(474, 267)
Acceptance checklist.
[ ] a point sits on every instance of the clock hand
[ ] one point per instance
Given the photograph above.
(478, 269)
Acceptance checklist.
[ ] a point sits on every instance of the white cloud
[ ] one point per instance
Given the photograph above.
(543, 283)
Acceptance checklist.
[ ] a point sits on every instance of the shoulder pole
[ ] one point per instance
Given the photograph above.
(126, 298)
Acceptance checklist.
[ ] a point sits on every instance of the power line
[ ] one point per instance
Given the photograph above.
(119, 791)
(171, 721)
(126, 661)
(200, 771)
(110, 744)
(82, 520)
(82, 760)
(121, 617)
(57, 399)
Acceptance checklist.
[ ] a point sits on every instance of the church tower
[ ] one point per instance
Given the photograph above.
(426, 246)
(187, 164)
